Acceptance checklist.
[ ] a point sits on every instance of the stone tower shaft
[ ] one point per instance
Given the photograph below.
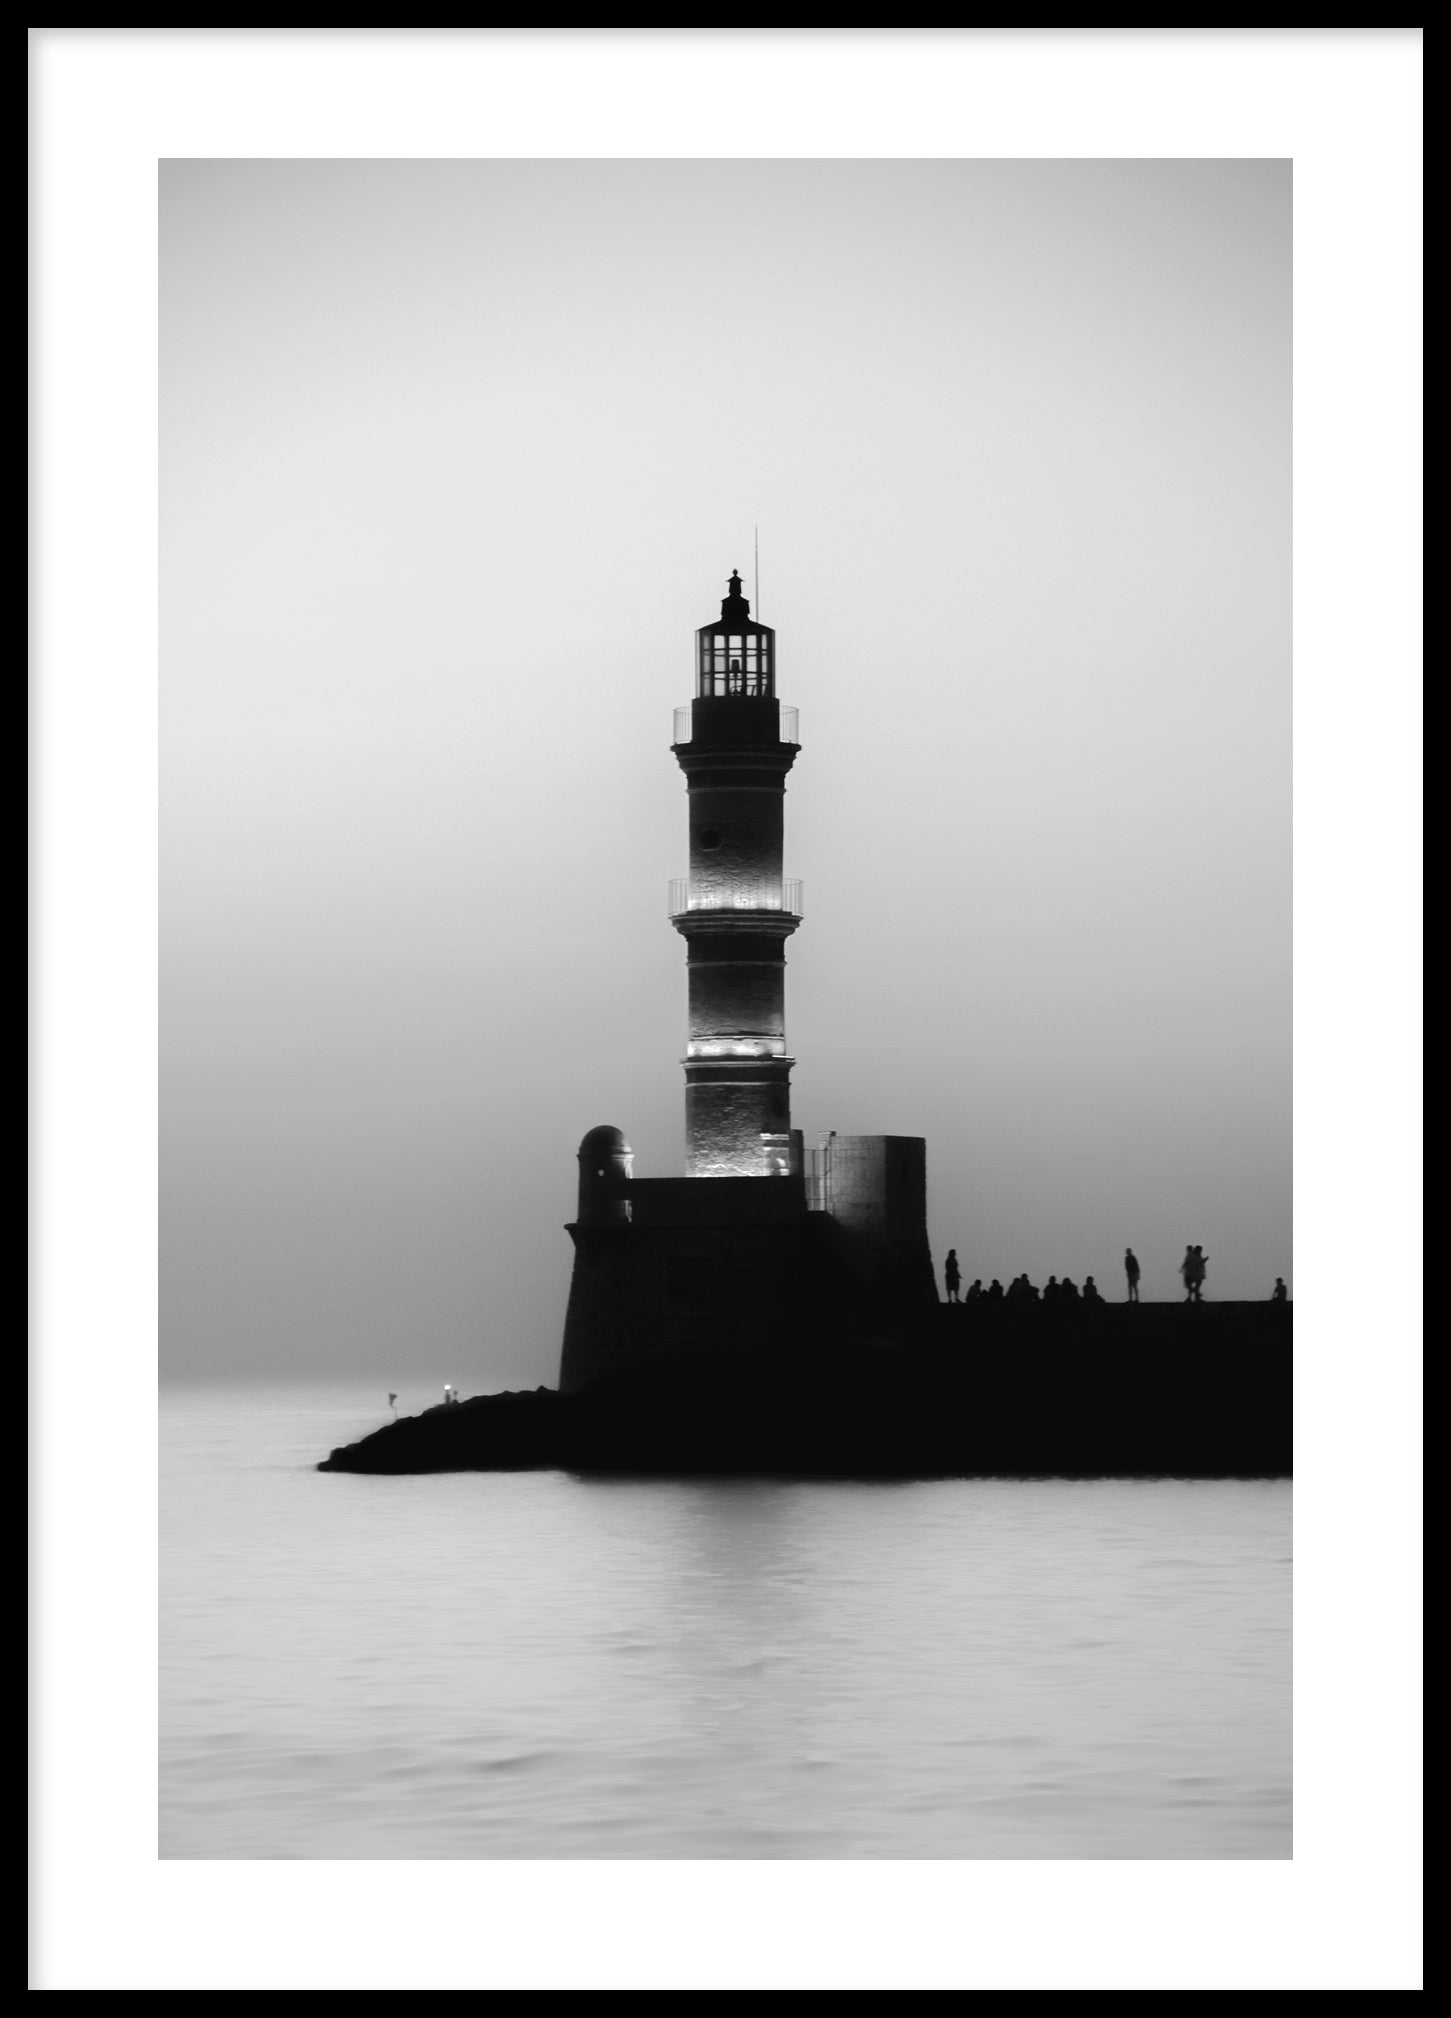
(736, 910)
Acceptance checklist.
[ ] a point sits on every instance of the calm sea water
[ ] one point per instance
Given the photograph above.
(539, 1665)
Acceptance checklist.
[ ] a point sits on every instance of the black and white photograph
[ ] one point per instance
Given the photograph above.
(891, 1457)
(726, 1184)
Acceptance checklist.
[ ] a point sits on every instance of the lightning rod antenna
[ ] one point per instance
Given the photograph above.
(756, 536)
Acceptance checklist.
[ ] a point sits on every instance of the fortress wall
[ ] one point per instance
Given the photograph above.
(652, 1291)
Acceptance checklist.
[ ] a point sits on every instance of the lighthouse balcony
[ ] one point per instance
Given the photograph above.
(780, 894)
(788, 723)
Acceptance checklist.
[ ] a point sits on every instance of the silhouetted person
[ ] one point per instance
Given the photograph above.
(1030, 1290)
(975, 1290)
(951, 1275)
(1131, 1270)
(1015, 1289)
(1279, 1294)
(994, 1291)
(1050, 1290)
(1192, 1268)
(1068, 1290)
(1090, 1290)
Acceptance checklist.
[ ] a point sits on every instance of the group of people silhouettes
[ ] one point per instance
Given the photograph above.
(1019, 1290)
(1193, 1268)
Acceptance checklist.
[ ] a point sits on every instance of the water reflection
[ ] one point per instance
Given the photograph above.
(742, 1604)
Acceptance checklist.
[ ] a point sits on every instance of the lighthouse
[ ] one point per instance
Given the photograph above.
(757, 1250)
(736, 908)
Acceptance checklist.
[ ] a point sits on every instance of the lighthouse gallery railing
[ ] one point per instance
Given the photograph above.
(790, 724)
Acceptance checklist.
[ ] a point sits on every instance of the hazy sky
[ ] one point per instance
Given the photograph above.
(455, 458)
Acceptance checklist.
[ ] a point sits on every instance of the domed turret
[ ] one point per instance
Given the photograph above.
(606, 1162)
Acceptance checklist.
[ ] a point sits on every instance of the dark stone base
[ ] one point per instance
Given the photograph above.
(1008, 1391)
